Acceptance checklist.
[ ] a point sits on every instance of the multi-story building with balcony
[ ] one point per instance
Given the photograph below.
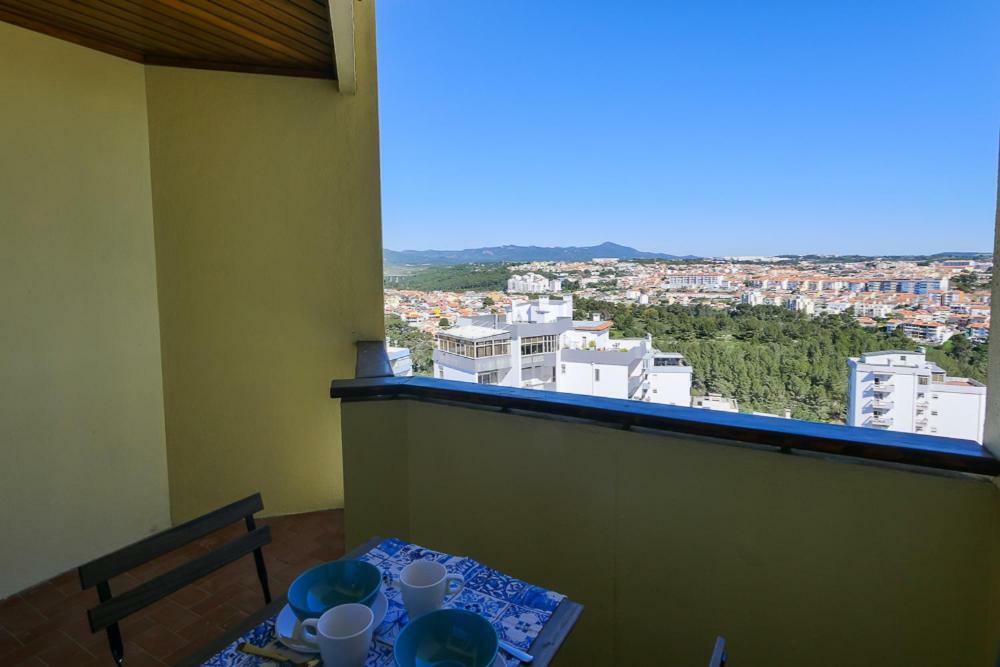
(532, 283)
(708, 280)
(537, 345)
(898, 390)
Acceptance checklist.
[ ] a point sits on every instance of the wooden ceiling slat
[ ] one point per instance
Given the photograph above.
(8, 15)
(287, 23)
(83, 24)
(320, 23)
(158, 24)
(136, 38)
(223, 41)
(200, 13)
(316, 9)
(284, 37)
(258, 23)
(217, 30)
(247, 67)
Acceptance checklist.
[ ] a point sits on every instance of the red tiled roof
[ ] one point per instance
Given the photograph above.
(597, 326)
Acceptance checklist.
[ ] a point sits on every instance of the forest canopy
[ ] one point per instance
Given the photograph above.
(770, 358)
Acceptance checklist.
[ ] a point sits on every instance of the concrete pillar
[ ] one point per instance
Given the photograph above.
(992, 440)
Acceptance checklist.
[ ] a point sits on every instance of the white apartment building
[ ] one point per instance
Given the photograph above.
(668, 375)
(896, 390)
(874, 310)
(532, 283)
(910, 285)
(752, 298)
(801, 304)
(707, 280)
(927, 331)
(537, 345)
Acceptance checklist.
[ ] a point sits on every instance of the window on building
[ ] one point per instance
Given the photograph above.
(923, 379)
(473, 349)
(562, 368)
(441, 373)
(538, 344)
(492, 348)
(597, 375)
(487, 377)
(933, 413)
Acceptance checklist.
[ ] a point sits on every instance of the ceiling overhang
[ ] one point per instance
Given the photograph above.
(284, 37)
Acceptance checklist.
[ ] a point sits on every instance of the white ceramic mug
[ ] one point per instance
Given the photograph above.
(425, 584)
(344, 634)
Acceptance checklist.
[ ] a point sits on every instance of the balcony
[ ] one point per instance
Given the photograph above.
(883, 387)
(191, 255)
(685, 538)
(880, 404)
(470, 365)
(881, 421)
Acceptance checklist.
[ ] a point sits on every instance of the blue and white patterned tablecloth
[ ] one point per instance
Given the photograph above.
(518, 610)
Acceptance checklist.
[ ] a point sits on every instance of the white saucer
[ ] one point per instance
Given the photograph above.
(284, 625)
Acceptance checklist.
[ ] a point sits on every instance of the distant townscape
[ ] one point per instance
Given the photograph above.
(898, 343)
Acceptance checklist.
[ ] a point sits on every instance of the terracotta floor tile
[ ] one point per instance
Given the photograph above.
(7, 644)
(30, 662)
(74, 623)
(171, 615)
(19, 618)
(26, 652)
(158, 641)
(200, 632)
(45, 597)
(188, 596)
(216, 599)
(135, 656)
(135, 624)
(247, 599)
(77, 603)
(61, 650)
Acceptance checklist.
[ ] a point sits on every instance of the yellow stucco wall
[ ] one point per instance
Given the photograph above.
(268, 235)
(81, 415)
(669, 541)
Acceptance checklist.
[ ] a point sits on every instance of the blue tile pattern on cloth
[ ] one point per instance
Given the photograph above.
(516, 609)
(262, 635)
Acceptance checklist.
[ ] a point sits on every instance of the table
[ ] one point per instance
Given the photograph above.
(544, 647)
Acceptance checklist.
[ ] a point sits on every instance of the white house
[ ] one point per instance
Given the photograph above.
(715, 402)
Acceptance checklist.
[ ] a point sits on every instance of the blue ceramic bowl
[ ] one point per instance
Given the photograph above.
(447, 638)
(330, 584)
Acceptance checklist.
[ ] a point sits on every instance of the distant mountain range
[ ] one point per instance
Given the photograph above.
(516, 253)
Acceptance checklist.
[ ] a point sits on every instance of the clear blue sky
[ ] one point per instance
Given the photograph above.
(708, 128)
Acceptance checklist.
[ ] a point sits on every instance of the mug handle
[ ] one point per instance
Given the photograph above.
(305, 631)
(450, 591)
